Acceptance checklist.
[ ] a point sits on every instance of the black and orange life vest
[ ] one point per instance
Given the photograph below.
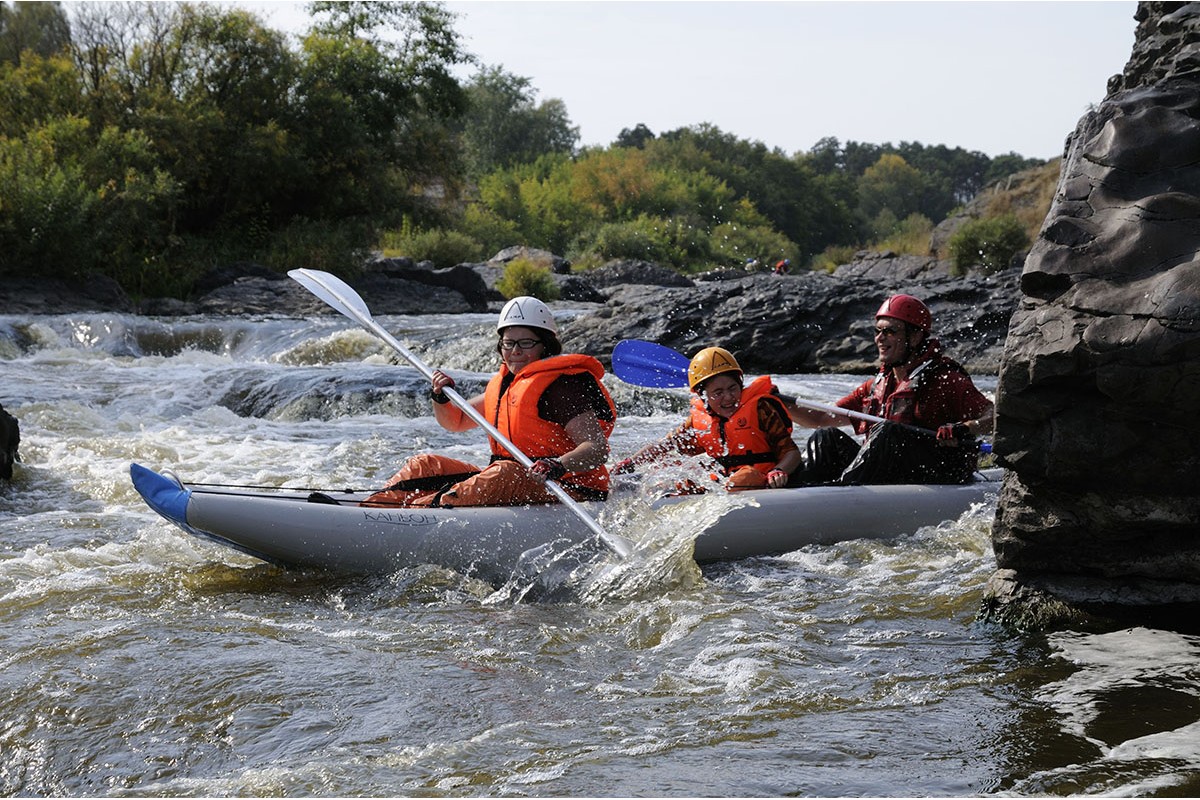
(738, 441)
(515, 413)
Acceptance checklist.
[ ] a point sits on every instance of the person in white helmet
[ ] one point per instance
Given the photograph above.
(551, 405)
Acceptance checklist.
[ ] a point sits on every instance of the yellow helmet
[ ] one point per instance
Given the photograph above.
(709, 362)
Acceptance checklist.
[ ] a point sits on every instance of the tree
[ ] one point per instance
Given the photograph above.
(893, 186)
(503, 126)
(784, 190)
(38, 28)
(634, 138)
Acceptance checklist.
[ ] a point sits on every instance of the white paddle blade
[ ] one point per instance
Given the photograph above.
(335, 292)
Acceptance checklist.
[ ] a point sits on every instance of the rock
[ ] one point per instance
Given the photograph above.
(1099, 388)
(55, 296)
(10, 440)
(544, 258)
(893, 269)
(462, 278)
(625, 273)
(261, 297)
(805, 322)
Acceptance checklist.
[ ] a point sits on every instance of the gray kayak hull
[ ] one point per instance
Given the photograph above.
(286, 528)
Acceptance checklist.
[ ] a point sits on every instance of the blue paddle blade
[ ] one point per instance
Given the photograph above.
(649, 364)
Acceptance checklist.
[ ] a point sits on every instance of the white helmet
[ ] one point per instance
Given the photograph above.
(528, 312)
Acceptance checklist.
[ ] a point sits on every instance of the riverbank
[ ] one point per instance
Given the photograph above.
(803, 322)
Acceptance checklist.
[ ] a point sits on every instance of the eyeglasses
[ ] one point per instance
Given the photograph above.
(887, 333)
(520, 344)
(720, 394)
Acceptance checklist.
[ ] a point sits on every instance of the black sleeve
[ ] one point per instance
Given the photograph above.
(571, 395)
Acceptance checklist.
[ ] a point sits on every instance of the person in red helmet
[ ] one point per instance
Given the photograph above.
(932, 407)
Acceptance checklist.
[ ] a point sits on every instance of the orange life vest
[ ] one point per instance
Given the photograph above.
(515, 413)
(738, 441)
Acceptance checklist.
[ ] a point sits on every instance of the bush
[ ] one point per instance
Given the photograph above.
(834, 256)
(493, 232)
(523, 277)
(444, 248)
(991, 243)
(644, 238)
(733, 244)
(909, 236)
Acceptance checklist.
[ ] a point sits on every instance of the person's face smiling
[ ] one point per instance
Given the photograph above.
(891, 340)
(520, 347)
(723, 395)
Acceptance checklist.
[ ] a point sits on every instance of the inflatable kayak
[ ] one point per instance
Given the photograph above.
(298, 528)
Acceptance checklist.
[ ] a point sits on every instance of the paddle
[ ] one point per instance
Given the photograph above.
(653, 365)
(335, 292)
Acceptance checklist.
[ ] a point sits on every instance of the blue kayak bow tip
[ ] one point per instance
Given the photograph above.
(163, 494)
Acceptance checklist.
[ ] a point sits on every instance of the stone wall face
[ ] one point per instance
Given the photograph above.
(1098, 401)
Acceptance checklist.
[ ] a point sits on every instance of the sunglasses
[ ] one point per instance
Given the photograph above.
(887, 333)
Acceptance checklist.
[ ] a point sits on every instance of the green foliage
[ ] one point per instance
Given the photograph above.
(502, 126)
(32, 29)
(732, 244)
(523, 277)
(445, 248)
(833, 257)
(785, 191)
(890, 184)
(991, 243)
(152, 140)
(909, 236)
(493, 232)
(646, 238)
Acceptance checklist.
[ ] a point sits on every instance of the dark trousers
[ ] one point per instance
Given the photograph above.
(892, 453)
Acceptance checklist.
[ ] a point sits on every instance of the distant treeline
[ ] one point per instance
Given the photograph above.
(152, 141)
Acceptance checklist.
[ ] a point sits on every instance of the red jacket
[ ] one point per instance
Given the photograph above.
(937, 391)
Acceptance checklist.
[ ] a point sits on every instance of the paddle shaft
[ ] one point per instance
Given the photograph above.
(341, 297)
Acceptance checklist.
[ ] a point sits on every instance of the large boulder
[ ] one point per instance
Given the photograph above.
(10, 442)
(804, 322)
(1099, 390)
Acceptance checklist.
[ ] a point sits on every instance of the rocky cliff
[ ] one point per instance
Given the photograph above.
(1099, 388)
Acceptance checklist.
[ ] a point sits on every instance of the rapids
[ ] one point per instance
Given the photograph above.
(137, 661)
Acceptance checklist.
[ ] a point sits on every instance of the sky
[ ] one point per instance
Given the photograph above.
(996, 77)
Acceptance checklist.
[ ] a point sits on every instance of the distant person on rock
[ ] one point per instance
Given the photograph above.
(932, 407)
(783, 266)
(745, 429)
(552, 406)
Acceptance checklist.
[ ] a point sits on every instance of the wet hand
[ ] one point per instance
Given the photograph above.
(548, 469)
(777, 479)
(624, 467)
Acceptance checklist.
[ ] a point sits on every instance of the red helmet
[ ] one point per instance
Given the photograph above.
(906, 308)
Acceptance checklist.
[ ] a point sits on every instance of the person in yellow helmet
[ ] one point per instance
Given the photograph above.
(745, 429)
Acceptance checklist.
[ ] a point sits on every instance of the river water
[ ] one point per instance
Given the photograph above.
(138, 661)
